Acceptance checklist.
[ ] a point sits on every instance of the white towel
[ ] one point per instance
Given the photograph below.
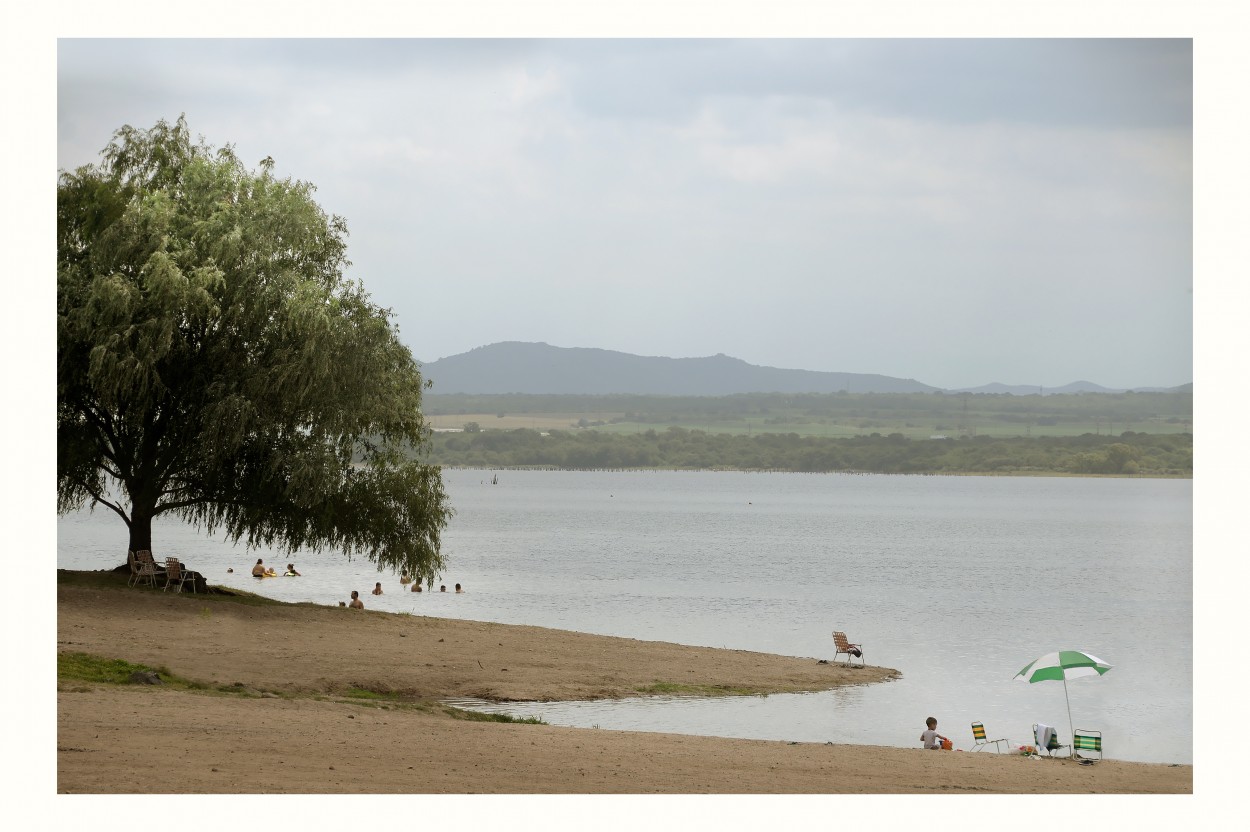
(1044, 733)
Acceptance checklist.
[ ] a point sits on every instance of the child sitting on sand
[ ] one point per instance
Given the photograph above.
(931, 739)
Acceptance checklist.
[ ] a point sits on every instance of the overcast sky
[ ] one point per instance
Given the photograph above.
(954, 211)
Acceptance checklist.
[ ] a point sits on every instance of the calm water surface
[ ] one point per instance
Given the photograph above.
(958, 582)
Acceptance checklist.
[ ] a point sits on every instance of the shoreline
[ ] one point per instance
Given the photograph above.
(237, 637)
(302, 698)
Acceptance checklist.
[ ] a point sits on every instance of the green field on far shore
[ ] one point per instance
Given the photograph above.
(838, 415)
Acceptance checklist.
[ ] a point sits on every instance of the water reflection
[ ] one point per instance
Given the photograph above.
(825, 716)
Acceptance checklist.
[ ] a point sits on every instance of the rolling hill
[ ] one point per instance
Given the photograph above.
(538, 368)
(519, 367)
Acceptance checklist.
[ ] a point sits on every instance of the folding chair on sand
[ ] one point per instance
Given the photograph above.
(979, 741)
(1047, 739)
(1084, 739)
(842, 645)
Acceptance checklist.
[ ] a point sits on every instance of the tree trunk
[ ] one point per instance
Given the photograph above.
(140, 529)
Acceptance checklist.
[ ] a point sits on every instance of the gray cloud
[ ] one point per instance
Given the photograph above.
(954, 211)
(1129, 83)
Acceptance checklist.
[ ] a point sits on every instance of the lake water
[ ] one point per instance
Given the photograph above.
(958, 582)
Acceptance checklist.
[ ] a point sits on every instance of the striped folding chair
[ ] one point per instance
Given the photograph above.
(1088, 741)
(1050, 744)
(844, 645)
(979, 741)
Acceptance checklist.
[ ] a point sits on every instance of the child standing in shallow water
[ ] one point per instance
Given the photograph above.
(931, 739)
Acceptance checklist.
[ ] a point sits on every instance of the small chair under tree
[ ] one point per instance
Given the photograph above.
(175, 574)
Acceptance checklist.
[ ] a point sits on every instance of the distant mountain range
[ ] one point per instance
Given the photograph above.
(521, 367)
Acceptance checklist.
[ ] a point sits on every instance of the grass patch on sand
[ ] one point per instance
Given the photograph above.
(95, 580)
(678, 689)
(478, 716)
(387, 699)
(85, 667)
(74, 669)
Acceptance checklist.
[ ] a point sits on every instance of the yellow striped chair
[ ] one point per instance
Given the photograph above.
(1087, 741)
(979, 741)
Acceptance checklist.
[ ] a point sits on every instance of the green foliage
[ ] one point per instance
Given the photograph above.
(679, 448)
(214, 363)
(86, 667)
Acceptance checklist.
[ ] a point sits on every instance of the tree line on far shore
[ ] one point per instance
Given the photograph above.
(1129, 454)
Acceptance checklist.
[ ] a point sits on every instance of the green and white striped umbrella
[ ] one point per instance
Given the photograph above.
(1063, 665)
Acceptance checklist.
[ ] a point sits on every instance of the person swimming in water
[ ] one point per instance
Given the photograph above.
(356, 603)
(290, 571)
(258, 571)
(377, 588)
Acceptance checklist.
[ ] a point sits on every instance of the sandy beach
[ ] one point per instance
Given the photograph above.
(325, 700)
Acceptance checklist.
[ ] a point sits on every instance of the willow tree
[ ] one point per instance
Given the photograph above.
(214, 363)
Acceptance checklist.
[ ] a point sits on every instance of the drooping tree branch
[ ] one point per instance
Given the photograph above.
(98, 497)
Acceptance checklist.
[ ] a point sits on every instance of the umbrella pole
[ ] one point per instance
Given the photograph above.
(1071, 730)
